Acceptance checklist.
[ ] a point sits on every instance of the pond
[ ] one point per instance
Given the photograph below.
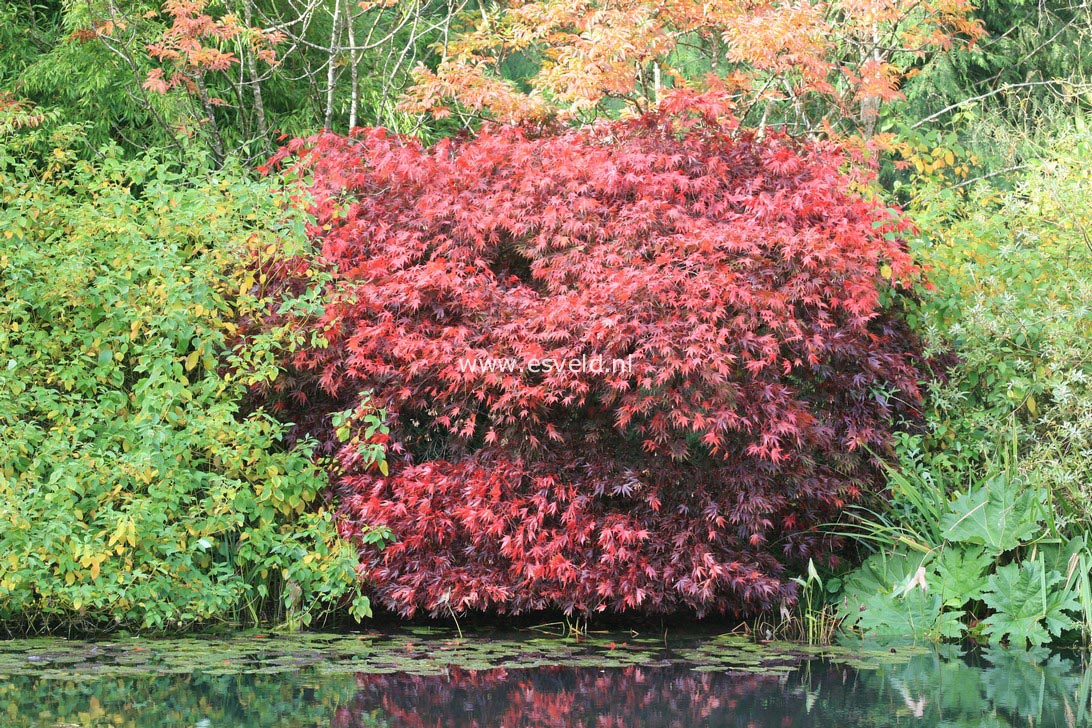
(431, 677)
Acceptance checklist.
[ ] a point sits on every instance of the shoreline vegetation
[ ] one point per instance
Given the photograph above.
(251, 263)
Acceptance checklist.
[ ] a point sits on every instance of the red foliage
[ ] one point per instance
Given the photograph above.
(560, 697)
(738, 279)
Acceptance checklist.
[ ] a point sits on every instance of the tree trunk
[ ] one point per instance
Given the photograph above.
(354, 75)
(331, 76)
(255, 82)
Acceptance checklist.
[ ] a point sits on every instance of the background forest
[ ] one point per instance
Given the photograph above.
(192, 430)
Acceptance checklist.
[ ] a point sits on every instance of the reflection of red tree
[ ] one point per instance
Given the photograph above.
(565, 696)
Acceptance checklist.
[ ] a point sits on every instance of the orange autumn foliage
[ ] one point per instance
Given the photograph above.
(196, 43)
(830, 62)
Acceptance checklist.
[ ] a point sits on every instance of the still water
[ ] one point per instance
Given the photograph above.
(426, 678)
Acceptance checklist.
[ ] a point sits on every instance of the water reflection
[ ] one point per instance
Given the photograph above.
(998, 688)
(944, 688)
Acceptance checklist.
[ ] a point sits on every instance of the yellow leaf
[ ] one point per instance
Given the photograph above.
(191, 361)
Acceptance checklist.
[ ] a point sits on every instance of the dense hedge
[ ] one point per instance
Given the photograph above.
(134, 492)
(740, 279)
(1013, 295)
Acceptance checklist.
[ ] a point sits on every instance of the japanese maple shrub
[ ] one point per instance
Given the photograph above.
(626, 367)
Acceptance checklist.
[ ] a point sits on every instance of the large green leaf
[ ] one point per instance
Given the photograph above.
(881, 573)
(886, 596)
(1058, 555)
(1029, 604)
(1000, 515)
(960, 573)
(917, 613)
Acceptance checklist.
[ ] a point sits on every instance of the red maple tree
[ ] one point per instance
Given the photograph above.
(741, 281)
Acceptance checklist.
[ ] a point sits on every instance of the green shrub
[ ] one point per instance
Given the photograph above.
(969, 543)
(1013, 278)
(135, 488)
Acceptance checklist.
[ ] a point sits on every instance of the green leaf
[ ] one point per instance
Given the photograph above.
(960, 573)
(183, 506)
(917, 614)
(881, 573)
(1000, 515)
(1028, 608)
(885, 596)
